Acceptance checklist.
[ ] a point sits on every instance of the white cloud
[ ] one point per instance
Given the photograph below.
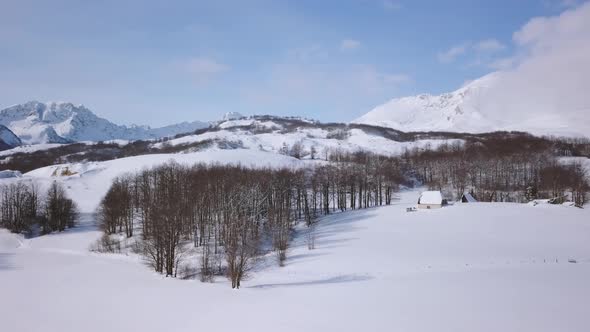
(482, 50)
(392, 5)
(349, 44)
(547, 84)
(451, 54)
(489, 45)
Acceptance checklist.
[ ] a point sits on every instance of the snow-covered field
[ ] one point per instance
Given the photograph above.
(468, 267)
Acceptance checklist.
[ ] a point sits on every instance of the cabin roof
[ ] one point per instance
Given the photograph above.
(430, 197)
(469, 198)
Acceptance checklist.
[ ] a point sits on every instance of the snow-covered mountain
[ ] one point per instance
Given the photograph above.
(8, 139)
(458, 111)
(36, 122)
(483, 105)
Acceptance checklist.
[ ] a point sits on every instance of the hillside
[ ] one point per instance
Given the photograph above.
(453, 269)
(262, 133)
(36, 122)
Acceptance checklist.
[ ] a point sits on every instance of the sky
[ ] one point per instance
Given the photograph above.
(162, 62)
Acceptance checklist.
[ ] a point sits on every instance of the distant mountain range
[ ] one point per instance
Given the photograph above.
(36, 122)
(478, 107)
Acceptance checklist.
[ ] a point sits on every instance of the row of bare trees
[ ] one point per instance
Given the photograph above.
(22, 208)
(495, 172)
(231, 213)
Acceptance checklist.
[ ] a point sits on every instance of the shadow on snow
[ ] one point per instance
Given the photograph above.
(331, 280)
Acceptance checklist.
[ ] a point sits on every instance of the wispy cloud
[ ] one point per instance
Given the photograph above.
(476, 54)
(489, 45)
(452, 53)
(349, 44)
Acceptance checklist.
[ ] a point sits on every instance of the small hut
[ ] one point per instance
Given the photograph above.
(431, 200)
(468, 198)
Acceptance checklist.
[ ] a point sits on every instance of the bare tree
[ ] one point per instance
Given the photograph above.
(19, 204)
(59, 211)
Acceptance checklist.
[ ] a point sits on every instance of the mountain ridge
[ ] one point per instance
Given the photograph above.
(477, 107)
(457, 111)
(63, 122)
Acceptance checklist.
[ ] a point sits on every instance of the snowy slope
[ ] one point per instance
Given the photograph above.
(480, 106)
(36, 122)
(469, 267)
(456, 111)
(8, 139)
(272, 136)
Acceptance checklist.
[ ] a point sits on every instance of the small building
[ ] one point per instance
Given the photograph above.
(431, 200)
(468, 198)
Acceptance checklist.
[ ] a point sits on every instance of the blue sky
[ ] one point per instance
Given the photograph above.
(160, 62)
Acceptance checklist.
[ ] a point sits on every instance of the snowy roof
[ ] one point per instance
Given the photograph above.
(430, 197)
(469, 198)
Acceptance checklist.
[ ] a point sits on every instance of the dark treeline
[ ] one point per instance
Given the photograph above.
(503, 169)
(101, 151)
(229, 212)
(22, 209)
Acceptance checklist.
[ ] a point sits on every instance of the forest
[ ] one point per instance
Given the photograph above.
(232, 213)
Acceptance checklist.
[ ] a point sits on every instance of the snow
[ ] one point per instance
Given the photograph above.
(29, 149)
(457, 111)
(5, 174)
(430, 197)
(358, 140)
(236, 123)
(469, 267)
